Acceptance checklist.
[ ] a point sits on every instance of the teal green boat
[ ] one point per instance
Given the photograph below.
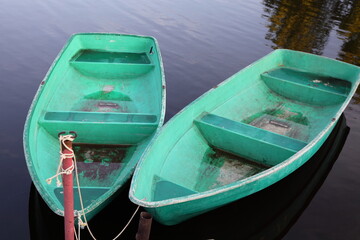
(110, 90)
(245, 134)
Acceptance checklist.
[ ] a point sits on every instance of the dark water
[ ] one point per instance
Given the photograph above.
(202, 43)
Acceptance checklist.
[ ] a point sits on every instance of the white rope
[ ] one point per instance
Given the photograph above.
(80, 222)
(81, 225)
(84, 224)
(137, 209)
(60, 171)
(77, 236)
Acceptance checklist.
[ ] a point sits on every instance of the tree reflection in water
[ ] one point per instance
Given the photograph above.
(305, 25)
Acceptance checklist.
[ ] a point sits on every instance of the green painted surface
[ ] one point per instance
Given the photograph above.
(98, 165)
(242, 136)
(113, 95)
(110, 90)
(102, 127)
(296, 117)
(316, 81)
(88, 194)
(219, 168)
(242, 139)
(165, 190)
(111, 57)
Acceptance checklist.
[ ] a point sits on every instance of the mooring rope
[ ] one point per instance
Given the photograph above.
(60, 170)
(137, 209)
(81, 224)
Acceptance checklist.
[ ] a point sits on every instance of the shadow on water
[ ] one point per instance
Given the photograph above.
(268, 214)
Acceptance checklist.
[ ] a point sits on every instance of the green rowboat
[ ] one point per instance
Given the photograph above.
(247, 133)
(110, 90)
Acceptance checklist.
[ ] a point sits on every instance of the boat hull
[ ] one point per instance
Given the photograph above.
(110, 90)
(242, 136)
(178, 212)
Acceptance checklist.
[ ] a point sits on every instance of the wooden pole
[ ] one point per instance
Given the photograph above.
(144, 226)
(68, 195)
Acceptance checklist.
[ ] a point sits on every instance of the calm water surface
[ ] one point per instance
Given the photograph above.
(202, 43)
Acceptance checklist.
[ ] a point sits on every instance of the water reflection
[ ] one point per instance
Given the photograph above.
(267, 214)
(306, 25)
(349, 31)
(302, 25)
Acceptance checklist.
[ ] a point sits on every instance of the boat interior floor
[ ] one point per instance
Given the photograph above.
(97, 168)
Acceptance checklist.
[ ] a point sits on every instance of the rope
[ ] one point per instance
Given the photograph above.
(84, 224)
(60, 171)
(137, 209)
(80, 222)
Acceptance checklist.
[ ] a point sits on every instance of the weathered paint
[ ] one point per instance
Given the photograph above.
(276, 112)
(109, 89)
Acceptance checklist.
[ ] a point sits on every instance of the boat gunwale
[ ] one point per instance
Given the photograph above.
(251, 179)
(26, 146)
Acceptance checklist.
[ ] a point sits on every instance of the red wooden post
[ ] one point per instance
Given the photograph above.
(68, 195)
